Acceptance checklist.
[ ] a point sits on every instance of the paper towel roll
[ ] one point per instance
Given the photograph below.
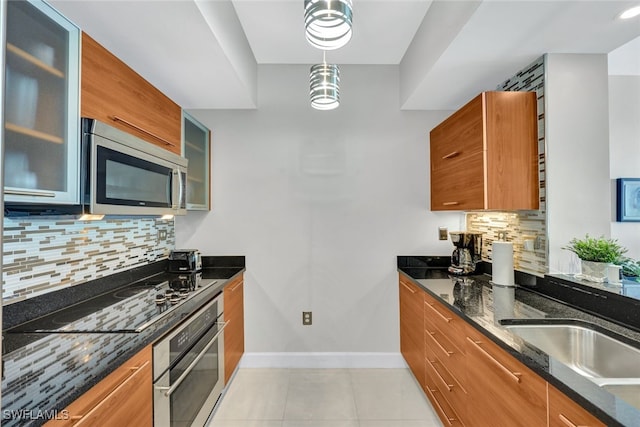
(502, 256)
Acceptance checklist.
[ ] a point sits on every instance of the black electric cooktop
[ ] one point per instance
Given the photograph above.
(131, 308)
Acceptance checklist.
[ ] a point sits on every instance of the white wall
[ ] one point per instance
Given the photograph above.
(624, 135)
(321, 203)
(577, 166)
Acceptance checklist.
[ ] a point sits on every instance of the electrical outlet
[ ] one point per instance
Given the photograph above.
(442, 233)
(306, 318)
(162, 234)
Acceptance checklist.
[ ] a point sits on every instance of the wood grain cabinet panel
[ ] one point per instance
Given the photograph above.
(115, 94)
(564, 412)
(501, 390)
(122, 398)
(411, 327)
(485, 155)
(234, 331)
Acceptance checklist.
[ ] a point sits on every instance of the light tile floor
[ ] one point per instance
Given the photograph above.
(324, 398)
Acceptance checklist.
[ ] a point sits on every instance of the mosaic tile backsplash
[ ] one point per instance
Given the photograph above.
(45, 255)
(522, 225)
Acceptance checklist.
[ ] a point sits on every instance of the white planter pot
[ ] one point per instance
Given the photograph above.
(594, 271)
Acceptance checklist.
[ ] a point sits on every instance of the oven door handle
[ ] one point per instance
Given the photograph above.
(168, 391)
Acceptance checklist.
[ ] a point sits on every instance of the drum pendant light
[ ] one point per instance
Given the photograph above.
(328, 23)
(324, 84)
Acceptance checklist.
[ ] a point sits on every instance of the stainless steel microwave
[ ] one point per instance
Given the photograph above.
(125, 175)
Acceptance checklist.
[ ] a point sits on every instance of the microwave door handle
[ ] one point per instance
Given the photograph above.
(176, 189)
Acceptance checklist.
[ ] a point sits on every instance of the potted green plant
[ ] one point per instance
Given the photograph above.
(631, 269)
(596, 253)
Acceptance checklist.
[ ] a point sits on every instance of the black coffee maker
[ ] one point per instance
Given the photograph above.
(467, 252)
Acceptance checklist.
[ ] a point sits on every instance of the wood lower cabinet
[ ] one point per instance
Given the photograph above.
(234, 331)
(445, 360)
(564, 412)
(470, 380)
(123, 398)
(115, 94)
(501, 389)
(485, 155)
(411, 327)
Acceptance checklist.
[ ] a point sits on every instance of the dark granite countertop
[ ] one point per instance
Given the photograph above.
(484, 306)
(48, 371)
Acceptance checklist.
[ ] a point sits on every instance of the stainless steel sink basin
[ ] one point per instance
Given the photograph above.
(588, 352)
(608, 362)
(628, 392)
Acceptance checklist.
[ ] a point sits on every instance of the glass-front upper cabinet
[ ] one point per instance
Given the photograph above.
(196, 145)
(42, 123)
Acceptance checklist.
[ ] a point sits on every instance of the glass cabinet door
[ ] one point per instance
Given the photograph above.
(42, 123)
(195, 147)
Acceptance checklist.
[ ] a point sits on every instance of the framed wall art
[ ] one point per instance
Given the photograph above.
(628, 199)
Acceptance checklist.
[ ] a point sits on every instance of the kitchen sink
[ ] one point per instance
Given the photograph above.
(628, 391)
(590, 353)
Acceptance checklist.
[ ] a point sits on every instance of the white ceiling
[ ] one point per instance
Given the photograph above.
(206, 53)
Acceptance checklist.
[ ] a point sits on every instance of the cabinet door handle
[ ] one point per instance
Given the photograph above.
(410, 290)
(29, 193)
(448, 386)
(450, 203)
(138, 128)
(444, 350)
(435, 399)
(445, 318)
(566, 421)
(450, 155)
(236, 286)
(513, 375)
(137, 370)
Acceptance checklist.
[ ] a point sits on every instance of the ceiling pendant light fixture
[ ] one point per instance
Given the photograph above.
(327, 23)
(324, 86)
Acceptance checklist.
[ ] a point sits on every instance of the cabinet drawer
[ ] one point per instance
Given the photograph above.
(446, 321)
(461, 187)
(447, 383)
(444, 410)
(122, 398)
(564, 412)
(449, 355)
(501, 386)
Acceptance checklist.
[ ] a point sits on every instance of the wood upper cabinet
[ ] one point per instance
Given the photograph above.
(115, 94)
(411, 327)
(123, 398)
(234, 332)
(485, 155)
(502, 391)
(564, 412)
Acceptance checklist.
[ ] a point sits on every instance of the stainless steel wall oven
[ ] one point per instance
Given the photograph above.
(188, 369)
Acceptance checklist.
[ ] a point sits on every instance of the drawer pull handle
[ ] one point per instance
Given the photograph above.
(410, 290)
(236, 286)
(138, 128)
(566, 421)
(450, 155)
(513, 375)
(444, 350)
(445, 318)
(136, 370)
(450, 203)
(448, 386)
(435, 399)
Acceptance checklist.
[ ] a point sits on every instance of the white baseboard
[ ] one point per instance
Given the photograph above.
(322, 360)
